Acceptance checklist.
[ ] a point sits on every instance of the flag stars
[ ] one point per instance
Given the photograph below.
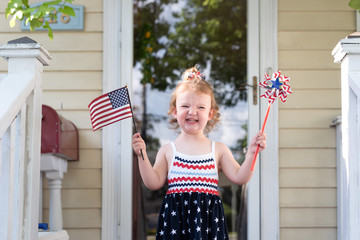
(173, 213)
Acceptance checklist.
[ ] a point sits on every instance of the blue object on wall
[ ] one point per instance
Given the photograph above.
(63, 22)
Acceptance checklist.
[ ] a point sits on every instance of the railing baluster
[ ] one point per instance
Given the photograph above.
(4, 180)
(21, 144)
(12, 179)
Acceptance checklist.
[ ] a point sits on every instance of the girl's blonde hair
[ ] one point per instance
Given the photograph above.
(194, 80)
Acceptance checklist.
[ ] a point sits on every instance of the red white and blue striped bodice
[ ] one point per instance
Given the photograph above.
(190, 173)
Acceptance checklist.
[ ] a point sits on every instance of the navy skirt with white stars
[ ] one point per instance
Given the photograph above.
(191, 216)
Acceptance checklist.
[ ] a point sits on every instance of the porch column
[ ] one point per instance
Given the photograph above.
(54, 168)
(347, 52)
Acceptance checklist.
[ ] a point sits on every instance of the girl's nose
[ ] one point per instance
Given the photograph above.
(192, 110)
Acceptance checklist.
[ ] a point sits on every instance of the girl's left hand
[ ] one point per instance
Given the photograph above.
(258, 140)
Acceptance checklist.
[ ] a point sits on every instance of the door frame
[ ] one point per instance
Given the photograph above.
(116, 146)
(263, 188)
(263, 193)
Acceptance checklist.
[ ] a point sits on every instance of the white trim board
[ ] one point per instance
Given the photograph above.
(116, 146)
(263, 194)
(270, 226)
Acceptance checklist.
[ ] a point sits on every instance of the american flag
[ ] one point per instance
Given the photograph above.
(109, 108)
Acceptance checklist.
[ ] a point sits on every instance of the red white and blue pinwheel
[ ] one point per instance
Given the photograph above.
(277, 86)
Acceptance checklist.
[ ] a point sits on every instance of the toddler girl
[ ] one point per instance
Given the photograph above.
(192, 208)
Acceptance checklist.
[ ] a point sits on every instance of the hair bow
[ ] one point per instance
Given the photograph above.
(196, 74)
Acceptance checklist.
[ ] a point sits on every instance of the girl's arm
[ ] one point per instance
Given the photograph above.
(153, 176)
(232, 169)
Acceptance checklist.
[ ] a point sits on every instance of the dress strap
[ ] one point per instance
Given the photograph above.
(213, 147)
(173, 147)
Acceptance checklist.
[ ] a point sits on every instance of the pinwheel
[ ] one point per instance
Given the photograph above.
(277, 86)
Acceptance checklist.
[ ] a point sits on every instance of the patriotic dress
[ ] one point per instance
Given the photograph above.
(192, 208)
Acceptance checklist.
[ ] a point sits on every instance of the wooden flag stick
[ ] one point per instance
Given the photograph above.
(133, 119)
(262, 131)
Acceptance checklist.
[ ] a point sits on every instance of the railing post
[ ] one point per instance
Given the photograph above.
(347, 52)
(22, 91)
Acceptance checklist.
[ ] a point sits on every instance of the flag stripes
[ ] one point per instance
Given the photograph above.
(109, 108)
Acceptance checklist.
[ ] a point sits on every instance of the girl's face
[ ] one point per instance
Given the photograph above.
(193, 111)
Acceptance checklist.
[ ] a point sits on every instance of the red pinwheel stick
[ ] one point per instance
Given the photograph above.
(262, 131)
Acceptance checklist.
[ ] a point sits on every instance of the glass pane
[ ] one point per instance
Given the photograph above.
(171, 36)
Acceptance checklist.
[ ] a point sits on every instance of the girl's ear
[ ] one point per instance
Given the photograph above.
(174, 113)
(211, 114)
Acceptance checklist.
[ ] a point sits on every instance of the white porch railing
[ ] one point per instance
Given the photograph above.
(20, 136)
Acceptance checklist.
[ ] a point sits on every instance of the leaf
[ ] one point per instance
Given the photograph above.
(355, 4)
(29, 10)
(38, 14)
(50, 32)
(19, 15)
(67, 10)
(35, 23)
(49, 10)
(52, 3)
(26, 3)
(12, 21)
(7, 12)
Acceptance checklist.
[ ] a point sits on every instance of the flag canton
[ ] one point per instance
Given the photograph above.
(119, 97)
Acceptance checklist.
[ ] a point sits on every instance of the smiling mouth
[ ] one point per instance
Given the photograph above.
(191, 120)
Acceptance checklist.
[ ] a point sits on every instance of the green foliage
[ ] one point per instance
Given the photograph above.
(210, 33)
(39, 16)
(355, 4)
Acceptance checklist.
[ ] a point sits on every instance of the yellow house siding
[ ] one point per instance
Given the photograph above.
(73, 79)
(307, 32)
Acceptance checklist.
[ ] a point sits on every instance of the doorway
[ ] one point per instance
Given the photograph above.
(170, 36)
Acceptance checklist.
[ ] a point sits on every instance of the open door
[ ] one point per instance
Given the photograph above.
(260, 55)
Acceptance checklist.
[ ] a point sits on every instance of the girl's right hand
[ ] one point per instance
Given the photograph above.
(138, 144)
